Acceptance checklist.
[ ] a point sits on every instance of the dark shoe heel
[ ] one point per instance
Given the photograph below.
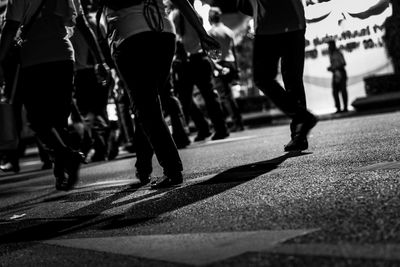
(143, 178)
(73, 166)
(59, 174)
(9, 167)
(66, 169)
(167, 181)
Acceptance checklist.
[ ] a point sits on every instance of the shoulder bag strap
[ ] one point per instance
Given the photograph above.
(25, 28)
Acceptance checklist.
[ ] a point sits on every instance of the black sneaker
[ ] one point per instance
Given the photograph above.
(59, 174)
(300, 130)
(143, 178)
(296, 144)
(66, 169)
(9, 167)
(167, 181)
(304, 127)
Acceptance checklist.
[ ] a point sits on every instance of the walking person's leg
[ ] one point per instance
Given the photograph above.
(229, 99)
(145, 66)
(266, 55)
(343, 90)
(48, 87)
(335, 93)
(204, 83)
(190, 109)
(292, 68)
(10, 159)
(126, 122)
(144, 154)
(43, 155)
(268, 49)
(173, 108)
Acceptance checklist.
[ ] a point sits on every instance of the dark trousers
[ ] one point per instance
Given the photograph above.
(198, 71)
(145, 65)
(289, 48)
(172, 107)
(224, 87)
(91, 100)
(91, 96)
(339, 88)
(46, 92)
(125, 119)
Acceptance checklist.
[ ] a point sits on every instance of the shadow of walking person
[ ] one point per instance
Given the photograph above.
(144, 208)
(171, 200)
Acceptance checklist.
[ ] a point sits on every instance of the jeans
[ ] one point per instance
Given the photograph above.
(144, 65)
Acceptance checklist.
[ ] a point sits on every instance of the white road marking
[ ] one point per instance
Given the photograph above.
(193, 248)
(381, 166)
(226, 140)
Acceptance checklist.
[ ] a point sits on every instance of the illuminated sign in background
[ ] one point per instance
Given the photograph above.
(356, 26)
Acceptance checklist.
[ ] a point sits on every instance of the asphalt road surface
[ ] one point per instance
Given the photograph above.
(244, 202)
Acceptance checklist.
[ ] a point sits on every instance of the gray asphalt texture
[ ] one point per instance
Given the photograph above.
(346, 187)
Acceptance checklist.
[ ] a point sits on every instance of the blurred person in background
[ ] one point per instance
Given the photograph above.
(91, 91)
(173, 110)
(226, 67)
(197, 70)
(46, 77)
(339, 76)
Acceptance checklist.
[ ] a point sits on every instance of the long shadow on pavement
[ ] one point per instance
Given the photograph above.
(9, 178)
(148, 207)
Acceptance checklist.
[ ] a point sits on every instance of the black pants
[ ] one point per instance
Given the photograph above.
(144, 62)
(339, 88)
(198, 71)
(173, 107)
(125, 118)
(90, 95)
(289, 48)
(46, 92)
(91, 100)
(224, 87)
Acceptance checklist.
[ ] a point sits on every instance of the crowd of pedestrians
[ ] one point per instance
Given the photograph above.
(78, 56)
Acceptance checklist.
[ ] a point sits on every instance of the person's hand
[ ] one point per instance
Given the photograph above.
(225, 71)
(211, 47)
(103, 73)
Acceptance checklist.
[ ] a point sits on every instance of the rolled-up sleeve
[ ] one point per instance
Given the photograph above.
(15, 10)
